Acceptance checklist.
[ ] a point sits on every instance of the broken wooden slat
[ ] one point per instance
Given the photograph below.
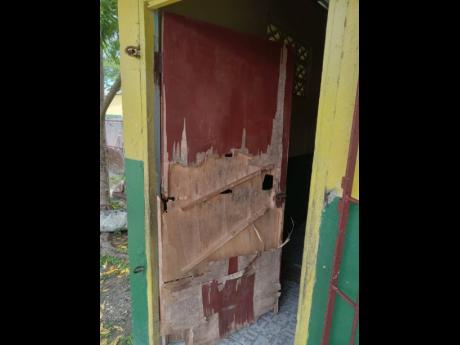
(225, 238)
(185, 235)
(212, 194)
(183, 307)
(188, 336)
(257, 233)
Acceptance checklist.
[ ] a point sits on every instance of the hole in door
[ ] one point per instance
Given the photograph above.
(267, 184)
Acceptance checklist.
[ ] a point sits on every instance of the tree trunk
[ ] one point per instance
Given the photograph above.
(104, 188)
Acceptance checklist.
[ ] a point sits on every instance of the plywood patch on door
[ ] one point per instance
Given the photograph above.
(184, 309)
(233, 303)
(215, 303)
(214, 208)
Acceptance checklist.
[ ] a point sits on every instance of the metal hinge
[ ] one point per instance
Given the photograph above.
(133, 51)
(165, 200)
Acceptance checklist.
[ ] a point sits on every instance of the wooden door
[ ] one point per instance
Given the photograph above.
(225, 108)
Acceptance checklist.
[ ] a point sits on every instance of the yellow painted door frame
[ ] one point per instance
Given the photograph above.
(335, 112)
(338, 88)
(136, 29)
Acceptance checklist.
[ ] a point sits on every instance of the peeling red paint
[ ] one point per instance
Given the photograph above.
(234, 303)
(220, 92)
(212, 301)
(233, 265)
(220, 82)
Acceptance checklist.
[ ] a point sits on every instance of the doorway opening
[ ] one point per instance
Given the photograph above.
(300, 25)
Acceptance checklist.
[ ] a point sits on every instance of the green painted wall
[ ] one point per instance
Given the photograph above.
(134, 171)
(348, 278)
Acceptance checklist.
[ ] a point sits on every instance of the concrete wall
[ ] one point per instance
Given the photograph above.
(114, 141)
(306, 22)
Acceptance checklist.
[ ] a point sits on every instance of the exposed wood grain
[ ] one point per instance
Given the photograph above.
(189, 336)
(257, 233)
(227, 186)
(182, 307)
(202, 297)
(225, 238)
(186, 235)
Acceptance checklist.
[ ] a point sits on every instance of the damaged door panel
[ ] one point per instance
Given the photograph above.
(225, 100)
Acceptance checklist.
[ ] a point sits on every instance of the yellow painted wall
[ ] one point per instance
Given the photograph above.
(355, 190)
(128, 14)
(116, 107)
(335, 113)
(338, 91)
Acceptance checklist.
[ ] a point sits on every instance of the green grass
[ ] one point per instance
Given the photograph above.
(121, 241)
(113, 261)
(111, 266)
(123, 250)
(114, 179)
(126, 340)
(112, 333)
(117, 205)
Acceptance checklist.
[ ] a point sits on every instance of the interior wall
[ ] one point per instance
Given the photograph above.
(238, 15)
(305, 20)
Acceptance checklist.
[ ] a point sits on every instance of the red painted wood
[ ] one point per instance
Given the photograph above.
(220, 82)
(234, 303)
(287, 119)
(233, 265)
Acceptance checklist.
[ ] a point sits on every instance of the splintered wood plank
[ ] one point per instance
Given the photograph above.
(222, 125)
(227, 186)
(225, 238)
(189, 337)
(247, 242)
(222, 83)
(204, 304)
(186, 235)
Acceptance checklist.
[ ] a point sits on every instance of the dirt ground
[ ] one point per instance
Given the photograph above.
(115, 296)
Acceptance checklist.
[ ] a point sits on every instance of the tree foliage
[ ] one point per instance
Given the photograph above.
(109, 31)
(109, 83)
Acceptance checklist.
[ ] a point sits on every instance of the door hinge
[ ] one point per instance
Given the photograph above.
(165, 200)
(133, 51)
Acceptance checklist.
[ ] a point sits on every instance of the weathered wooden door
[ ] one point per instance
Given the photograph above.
(225, 108)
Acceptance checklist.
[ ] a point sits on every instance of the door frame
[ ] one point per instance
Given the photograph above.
(140, 107)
